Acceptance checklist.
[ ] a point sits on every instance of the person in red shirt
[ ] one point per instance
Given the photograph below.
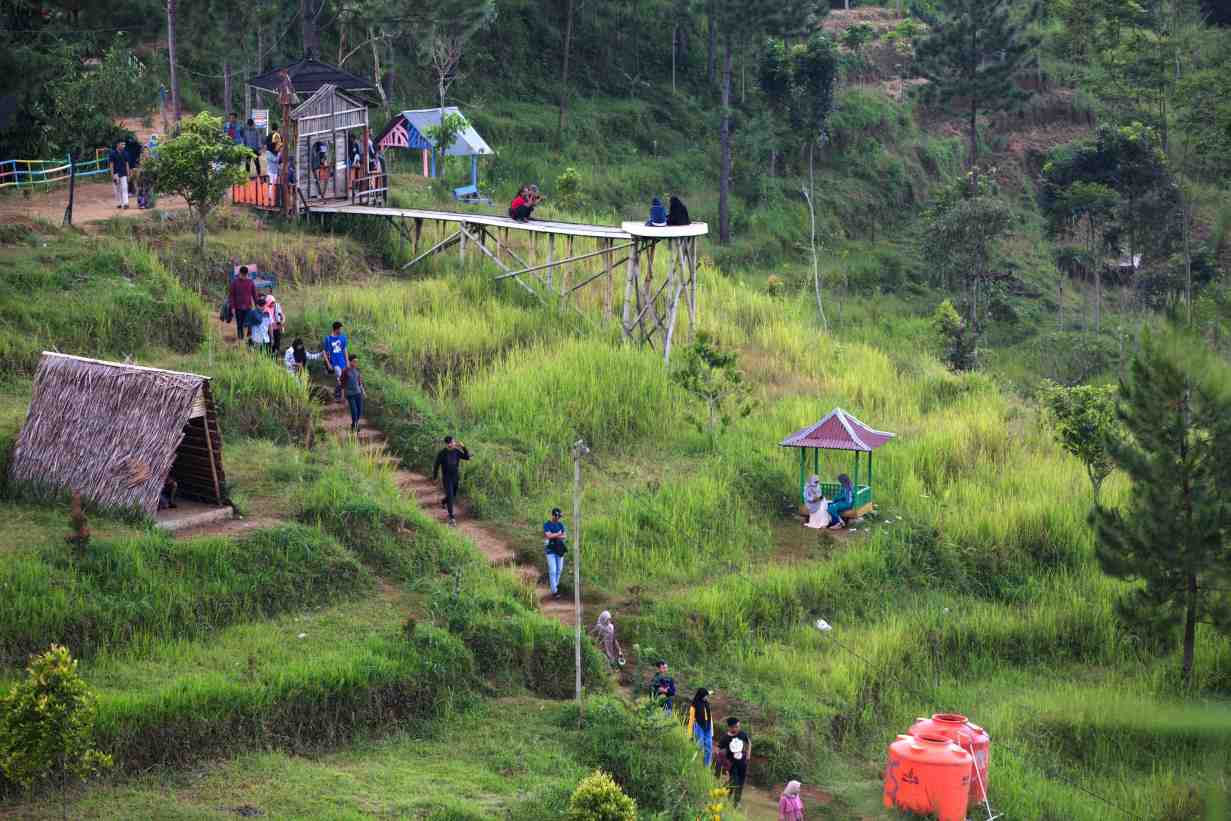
(523, 204)
(243, 298)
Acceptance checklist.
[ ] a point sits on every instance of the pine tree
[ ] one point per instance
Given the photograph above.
(972, 57)
(1173, 535)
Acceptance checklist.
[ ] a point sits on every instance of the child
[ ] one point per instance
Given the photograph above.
(277, 319)
(297, 357)
(352, 382)
(261, 325)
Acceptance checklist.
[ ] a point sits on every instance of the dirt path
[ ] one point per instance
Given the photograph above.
(93, 201)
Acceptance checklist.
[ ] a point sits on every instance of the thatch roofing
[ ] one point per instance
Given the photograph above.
(106, 430)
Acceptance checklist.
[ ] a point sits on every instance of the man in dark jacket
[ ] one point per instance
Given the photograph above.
(119, 174)
(448, 464)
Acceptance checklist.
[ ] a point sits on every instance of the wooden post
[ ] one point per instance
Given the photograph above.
(462, 245)
(209, 446)
(579, 450)
(608, 294)
(72, 186)
(567, 268)
(418, 232)
(551, 255)
(630, 286)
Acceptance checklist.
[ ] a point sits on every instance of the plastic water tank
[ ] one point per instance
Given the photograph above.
(970, 737)
(928, 775)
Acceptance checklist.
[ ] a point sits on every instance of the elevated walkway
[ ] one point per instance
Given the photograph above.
(649, 308)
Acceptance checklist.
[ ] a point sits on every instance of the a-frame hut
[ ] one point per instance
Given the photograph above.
(115, 432)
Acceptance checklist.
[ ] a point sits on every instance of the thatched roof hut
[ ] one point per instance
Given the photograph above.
(115, 432)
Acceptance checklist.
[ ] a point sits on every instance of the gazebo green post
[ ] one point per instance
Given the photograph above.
(869, 473)
(816, 461)
(803, 466)
(855, 479)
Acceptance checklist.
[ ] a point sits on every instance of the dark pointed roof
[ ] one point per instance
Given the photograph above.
(838, 431)
(308, 75)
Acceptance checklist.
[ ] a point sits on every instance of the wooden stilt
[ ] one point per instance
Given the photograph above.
(418, 232)
(461, 248)
(608, 290)
(567, 268)
(631, 279)
(551, 254)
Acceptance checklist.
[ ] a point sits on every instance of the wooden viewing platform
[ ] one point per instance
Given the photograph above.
(649, 307)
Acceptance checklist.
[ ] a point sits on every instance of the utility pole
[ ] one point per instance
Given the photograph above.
(579, 450)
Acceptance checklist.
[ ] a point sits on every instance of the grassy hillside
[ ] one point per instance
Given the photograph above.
(327, 661)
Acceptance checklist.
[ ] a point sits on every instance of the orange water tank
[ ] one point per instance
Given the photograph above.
(927, 775)
(970, 737)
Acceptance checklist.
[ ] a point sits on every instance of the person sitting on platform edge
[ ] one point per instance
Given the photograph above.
(844, 501)
(678, 214)
(658, 214)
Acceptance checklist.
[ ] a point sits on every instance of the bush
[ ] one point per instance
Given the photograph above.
(655, 762)
(47, 724)
(599, 798)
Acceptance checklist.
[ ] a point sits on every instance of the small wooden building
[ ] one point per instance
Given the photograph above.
(329, 118)
(115, 432)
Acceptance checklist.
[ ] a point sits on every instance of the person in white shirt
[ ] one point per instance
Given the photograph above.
(260, 332)
(297, 357)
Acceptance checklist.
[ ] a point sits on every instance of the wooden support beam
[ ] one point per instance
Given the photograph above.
(551, 253)
(418, 233)
(505, 267)
(440, 246)
(209, 443)
(608, 292)
(630, 288)
(604, 272)
(577, 258)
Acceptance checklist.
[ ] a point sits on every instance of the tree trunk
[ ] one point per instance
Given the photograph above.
(816, 270)
(226, 88)
(308, 9)
(974, 148)
(172, 13)
(711, 48)
(724, 136)
(1190, 631)
(568, 44)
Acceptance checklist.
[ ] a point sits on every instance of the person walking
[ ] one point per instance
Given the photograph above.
(252, 141)
(790, 805)
(243, 297)
(335, 347)
(555, 546)
(604, 631)
(448, 466)
(297, 357)
(276, 320)
(260, 322)
(701, 723)
(662, 686)
(119, 174)
(738, 749)
(352, 384)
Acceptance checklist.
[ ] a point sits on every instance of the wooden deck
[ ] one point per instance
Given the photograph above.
(575, 229)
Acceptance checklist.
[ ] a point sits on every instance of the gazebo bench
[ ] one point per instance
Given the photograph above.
(470, 194)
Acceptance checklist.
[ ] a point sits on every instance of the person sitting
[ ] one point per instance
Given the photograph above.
(166, 496)
(816, 503)
(658, 214)
(844, 501)
(678, 214)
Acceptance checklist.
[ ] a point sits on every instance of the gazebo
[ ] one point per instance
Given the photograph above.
(115, 432)
(837, 431)
(409, 130)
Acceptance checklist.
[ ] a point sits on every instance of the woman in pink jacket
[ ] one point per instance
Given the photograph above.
(790, 805)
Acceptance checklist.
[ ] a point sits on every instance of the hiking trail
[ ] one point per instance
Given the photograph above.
(335, 419)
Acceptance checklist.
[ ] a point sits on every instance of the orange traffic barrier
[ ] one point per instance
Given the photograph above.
(928, 775)
(970, 737)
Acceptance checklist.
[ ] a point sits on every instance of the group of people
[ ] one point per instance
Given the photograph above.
(260, 320)
(126, 178)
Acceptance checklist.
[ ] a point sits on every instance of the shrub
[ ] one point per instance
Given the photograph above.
(599, 798)
(568, 189)
(47, 724)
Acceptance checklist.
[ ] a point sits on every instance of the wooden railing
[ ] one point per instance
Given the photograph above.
(370, 190)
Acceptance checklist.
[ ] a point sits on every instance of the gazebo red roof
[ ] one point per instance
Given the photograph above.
(838, 431)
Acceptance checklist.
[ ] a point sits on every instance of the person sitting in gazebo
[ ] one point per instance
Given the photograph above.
(816, 503)
(844, 501)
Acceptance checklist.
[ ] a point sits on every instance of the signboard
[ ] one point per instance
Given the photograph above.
(260, 117)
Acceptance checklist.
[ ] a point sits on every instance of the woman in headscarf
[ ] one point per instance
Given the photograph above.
(604, 631)
(702, 723)
(844, 501)
(814, 501)
(790, 805)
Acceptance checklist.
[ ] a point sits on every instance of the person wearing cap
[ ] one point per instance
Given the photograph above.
(555, 546)
(449, 467)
